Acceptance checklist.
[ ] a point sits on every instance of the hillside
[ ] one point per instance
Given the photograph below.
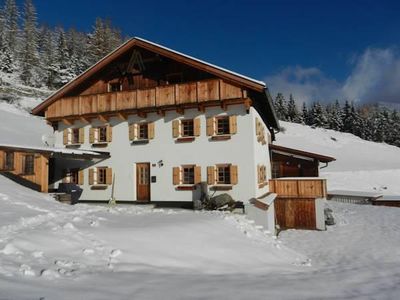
(360, 165)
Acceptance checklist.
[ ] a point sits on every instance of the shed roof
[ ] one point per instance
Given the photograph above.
(292, 151)
(354, 193)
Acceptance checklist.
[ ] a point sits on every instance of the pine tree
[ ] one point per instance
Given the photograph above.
(62, 64)
(281, 107)
(317, 116)
(292, 112)
(10, 33)
(335, 117)
(305, 114)
(29, 52)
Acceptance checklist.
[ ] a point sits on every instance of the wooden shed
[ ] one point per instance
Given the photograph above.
(289, 162)
(300, 202)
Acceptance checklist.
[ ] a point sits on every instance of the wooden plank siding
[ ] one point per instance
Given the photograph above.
(158, 97)
(40, 172)
(299, 188)
(295, 213)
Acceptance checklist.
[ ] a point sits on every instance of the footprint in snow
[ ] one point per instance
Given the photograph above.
(49, 274)
(26, 270)
(114, 253)
(88, 251)
(69, 226)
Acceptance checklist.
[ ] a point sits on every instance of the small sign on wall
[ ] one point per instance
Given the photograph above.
(153, 178)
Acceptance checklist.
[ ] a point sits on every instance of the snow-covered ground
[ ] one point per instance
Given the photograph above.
(53, 251)
(360, 165)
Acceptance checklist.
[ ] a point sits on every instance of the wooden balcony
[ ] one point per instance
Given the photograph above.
(299, 187)
(162, 97)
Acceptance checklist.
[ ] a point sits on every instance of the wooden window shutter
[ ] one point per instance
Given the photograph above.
(91, 176)
(132, 132)
(91, 135)
(65, 136)
(175, 128)
(257, 128)
(232, 124)
(150, 130)
(176, 172)
(81, 135)
(211, 175)
(197, 174)
(234, 174)
(196, 127)
(81, 177)
(258, 174)
(109, 133)
(210, 126)
(109, 176)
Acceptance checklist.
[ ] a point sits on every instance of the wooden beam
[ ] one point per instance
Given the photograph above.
(224, 105)
(180, 110)
(201, 107)
(161, 112)
(84, 120)
(102, 118)
(122, 116)
(68, 122)
(247, 103)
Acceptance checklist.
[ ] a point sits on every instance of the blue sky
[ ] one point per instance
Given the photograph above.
(288, 43)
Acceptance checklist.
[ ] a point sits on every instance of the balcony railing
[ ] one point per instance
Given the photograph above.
(158, 97)
(299, 187)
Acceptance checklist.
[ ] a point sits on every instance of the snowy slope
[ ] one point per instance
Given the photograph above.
(360, 165)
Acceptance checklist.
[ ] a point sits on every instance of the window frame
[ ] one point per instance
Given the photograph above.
(74, 133)
(7, 165)
(226, 126)
(186, 124)
(98, 134)
(145, 128)
(226, 175)
(111, 86)
(187, 179)
(29, 166)
(97, 176)
(72, 175)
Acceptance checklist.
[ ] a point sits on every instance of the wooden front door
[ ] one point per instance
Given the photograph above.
(143, 182)
(295, 213)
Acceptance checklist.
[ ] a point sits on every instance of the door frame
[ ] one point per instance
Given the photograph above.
(137, 182)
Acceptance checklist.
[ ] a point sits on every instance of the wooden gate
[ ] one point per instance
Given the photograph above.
(295, 213)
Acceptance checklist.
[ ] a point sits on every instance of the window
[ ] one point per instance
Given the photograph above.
(221, 127)
(100, 134)
(187, 128)
(223, 174)
(143, 131)
(71, 176)
(9, 161)
(114, 87)
(28, 164)
(73, 136)
(101, 175)
(188, 174)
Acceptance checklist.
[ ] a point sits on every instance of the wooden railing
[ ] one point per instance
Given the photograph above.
(162, 96)
(299, 187)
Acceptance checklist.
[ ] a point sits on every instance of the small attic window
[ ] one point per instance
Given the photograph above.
(114, 87)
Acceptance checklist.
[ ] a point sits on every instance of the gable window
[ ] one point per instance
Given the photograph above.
(73, 136)
(114, 87)
(28, 164)
(9, 160)
(186, 129)
(100, 135)
(100, 176)
(221, 126)
(141, 132)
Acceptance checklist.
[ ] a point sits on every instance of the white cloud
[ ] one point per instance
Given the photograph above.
(375, 77)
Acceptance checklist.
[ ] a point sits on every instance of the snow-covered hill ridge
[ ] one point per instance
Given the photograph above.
(359, 165)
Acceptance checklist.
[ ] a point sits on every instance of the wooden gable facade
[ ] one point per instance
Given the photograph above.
(141, 77)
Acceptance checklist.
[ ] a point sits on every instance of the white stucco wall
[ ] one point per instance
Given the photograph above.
(242, 150)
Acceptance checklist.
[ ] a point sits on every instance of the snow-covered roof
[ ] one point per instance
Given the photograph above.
(200, 61)
(268, 199)
(354, 193)
(59, 150)
(389, 198)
